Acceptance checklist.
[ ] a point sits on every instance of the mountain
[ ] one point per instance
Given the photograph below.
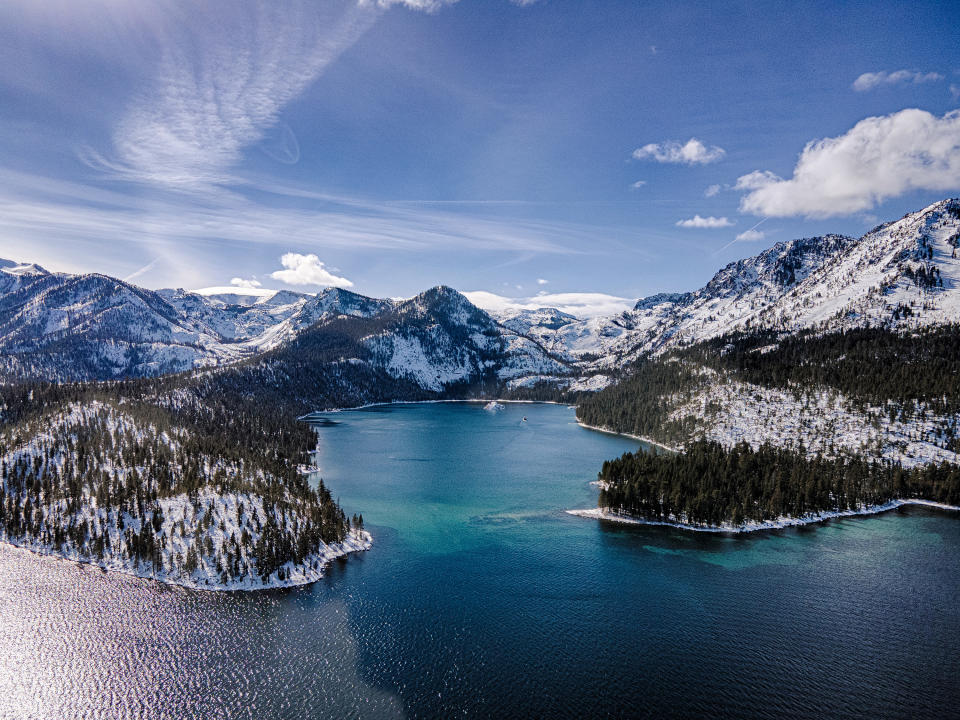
(59, 326)
(524, 322)
(900, 275)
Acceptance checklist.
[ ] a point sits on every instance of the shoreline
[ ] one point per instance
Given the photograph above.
(325, 411)
(300, 576)
(778, 524)
(641, 438)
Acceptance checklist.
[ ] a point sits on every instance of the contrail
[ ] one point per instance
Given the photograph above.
(141, 271)
(735, 239)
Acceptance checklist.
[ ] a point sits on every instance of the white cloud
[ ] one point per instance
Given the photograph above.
(692, 152)
(541, 281)
(871, 80)
(756, 180)
(240, 282)
(955, 91)
(582, 305)
(307, 270)
(878, 158)
(712, 190)
(750, 236)
(638, 184)
(705, 222)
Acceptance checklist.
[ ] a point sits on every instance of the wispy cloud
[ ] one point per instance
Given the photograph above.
(426, 5)
(705, 222)
(712, 190)
(872, 80)
(638, 184)
(579, 304)
(692, 152)
(307, 270)
(221, 84)
(878, 158)
(62, 221)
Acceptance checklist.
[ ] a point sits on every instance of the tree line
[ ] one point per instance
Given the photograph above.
(710, 485)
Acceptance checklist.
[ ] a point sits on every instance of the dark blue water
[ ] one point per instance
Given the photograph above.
(481, 598)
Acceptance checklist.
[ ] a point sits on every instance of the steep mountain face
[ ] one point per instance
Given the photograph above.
(439, 338)
(62, 326)
(91, 327)
(900, 275)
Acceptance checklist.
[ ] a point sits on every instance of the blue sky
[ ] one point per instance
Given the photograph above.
(581, 150)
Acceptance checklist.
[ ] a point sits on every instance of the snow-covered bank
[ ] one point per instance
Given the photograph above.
(779, 523)
(641, 438)
(311, 570)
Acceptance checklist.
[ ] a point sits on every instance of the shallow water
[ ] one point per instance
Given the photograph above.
(482, 598)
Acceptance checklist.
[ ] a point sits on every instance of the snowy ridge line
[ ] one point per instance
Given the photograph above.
(641, 438)
(778, 524)
(357, 541)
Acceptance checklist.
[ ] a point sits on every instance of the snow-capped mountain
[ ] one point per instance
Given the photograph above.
(899, 275)
(526, 321)
(59, 326)
(93, 327)
(439, 338)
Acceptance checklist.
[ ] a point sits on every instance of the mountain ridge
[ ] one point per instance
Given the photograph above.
(900, 275)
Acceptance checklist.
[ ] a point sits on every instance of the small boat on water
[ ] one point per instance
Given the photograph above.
(493, 406)
(524, 419)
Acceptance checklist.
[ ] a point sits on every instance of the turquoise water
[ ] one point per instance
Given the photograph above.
(482, 598)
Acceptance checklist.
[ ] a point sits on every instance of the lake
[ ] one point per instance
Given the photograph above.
(482, 598)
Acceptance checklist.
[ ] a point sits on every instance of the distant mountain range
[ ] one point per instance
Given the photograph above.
(58, 326)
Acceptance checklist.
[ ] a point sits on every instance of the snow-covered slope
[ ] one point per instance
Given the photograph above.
(526, 321)
(439, 338)
(901, 274)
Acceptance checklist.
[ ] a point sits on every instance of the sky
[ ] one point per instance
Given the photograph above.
(529, 153)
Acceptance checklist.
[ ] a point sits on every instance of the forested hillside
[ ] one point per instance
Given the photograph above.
(886, 377)
(870, 364)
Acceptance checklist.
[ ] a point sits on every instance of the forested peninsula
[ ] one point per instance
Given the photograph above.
(196, 491)
(709, 486)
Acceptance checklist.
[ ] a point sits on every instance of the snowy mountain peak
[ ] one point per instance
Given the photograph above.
(524, 321)
(21, 269)
(901, 274)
